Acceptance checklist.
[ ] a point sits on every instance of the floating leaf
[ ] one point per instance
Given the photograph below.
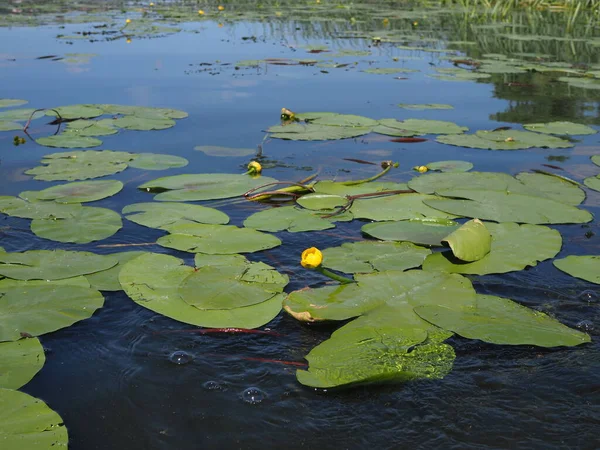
(108, 280)
(142, 123)
(370, 256)
(214, 150)
(393, 127)
(85, 224)
(397, 207)
(16, 114)
(501, 321)
(76, 112)
(69, 140)
(157, 161)
(287, 218)
(143, 111)
(38, 310)
(317, 202)
(344, 188)
(344, 120)
(389, 70)
(312, 132)
(422, 106)
(81, 191)
(152, 280)
(450, 166)
(20, 361)
(6, 125)
(560, 128)
(7, 102)
(80, 165)
(52, 264)
(592, 183)
(584, 83)
(553, 187)
(505, 140)
(513, 247)
(419, 231)
(207, 186)
(423, 126)
(471, 242)
(91, 128)
(158, 215)
(586, 267)
(26, 420)
(17, 207)
(216, 239)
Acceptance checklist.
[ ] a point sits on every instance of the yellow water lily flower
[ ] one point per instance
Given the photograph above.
(128, 41)
(151, 4)
(421, 169)
(200, 12)
(311, 258)
(254, 168)
(220, 8)
(128, 21)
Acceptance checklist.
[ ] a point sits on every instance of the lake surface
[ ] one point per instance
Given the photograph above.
(112, 377)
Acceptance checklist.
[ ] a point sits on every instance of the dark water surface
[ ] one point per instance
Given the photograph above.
(115, 379)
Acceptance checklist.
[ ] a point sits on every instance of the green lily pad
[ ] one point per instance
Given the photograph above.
(505, 140)
(471, 242)
(418, 231)
(315, 132)
(16, 114)
(37, 310)
(6, 125)
(85, 224)
(80, 165)
(207, 186)
(287, 218)
(595, 159)
(214, 150)
(52, 264)
(216, 239)
(560, 128)
(80, 281)
(389, 70)
(157, 161)
(422, 106)
(586, 267)
(513, 247)
(370, 256)
(504, 206)
(27, 422)
(373, 348)
(108, 280)
(475, 141)
(69, 140)
(20, 361)
(152, 280)
(423, 126)
(450, 166)
(81, 191)
(143, 111)
(7, 102)
(17, 207)
(317, 202)
(158, 215)
(394, 288)
(91, 128)
(553, 187)
(76, 112)
(344, 188)
(592, 183)
(583, 83)
(344, 120)
(143, 123)
(397, 207)
(501, 321)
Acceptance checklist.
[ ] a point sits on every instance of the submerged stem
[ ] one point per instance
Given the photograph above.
(333, 276)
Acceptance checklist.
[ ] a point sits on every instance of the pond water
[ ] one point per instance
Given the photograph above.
(130, 378)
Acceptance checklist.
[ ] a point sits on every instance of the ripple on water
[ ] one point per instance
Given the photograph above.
(253, 395)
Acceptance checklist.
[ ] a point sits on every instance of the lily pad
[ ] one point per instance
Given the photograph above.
(158, 215)
(16, 114)
(422, 106)
(7, 102)
(37, 310)
(344, 188)
(27, 422)
(397, 207)
(76, 112)
(423, 126)
(81, 191)
(315, 132)
(69, 140)
(20, 361)
(450, 166)
(17, 207)
(216, 239)
(143, 111)
(553, 187)
(287, 218)
(471, 242)
(586, 267)
(419, 231)
(91, 128)
(513, 247)
(143, 123)
(560, 128)
(317, 202)
(583, 83)
(501, 321)
(108, 280)
(592, 183)
(157, 161)
(389, 70)
(153, 281)
(85, 224)
(344, 120)
(370, 256)
(52, 264)
(214, 150)
(6, 125)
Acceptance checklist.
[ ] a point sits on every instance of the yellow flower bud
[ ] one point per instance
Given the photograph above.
(386, 21)
(421, 169)
(200, 12)
(254, 168)
(151, 4)
(128, 21)
(220, 8)
(128, 41)
(311, 258)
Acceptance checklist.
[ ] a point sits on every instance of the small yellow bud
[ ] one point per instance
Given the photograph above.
(151, 4)
(220, 25)
(221, 8)
(200, 12)
(286, 114)
(128, 41)
(509, 139)
(311, 258)
(254, 168)
(421, 169)
(128, 21)
(386, 21)
(415, 23)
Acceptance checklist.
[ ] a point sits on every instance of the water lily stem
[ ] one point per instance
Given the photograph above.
(333, 276)
(387, 166)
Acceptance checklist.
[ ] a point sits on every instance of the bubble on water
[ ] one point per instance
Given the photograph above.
(589, 296)
(253, 395)
(585, 325)
(214, 386)
(180, 357)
